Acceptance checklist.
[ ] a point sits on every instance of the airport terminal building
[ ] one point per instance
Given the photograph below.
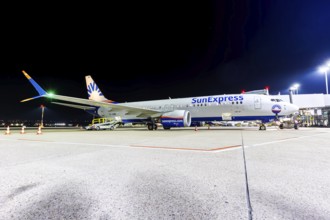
(314, 108)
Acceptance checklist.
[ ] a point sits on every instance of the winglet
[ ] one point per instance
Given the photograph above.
(40, 90)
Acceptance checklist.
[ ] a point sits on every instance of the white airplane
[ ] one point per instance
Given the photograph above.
(178, 112)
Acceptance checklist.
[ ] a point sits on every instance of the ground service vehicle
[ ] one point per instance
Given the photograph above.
(103, 124)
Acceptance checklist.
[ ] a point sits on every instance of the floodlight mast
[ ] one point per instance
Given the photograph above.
(324, 70)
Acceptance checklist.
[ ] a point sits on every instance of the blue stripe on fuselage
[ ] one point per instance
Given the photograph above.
(264, 119)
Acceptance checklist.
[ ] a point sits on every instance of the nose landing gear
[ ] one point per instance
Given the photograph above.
(262, 127)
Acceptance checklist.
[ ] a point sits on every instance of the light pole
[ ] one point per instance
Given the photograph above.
(326, 81)
(292, 89)
(42, 116)
(324, 70)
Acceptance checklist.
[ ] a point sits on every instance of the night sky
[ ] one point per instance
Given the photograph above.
(143, 51)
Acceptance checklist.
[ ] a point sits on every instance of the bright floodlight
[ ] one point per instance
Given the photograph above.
(328, 63)
(323, 69)
(295, 87)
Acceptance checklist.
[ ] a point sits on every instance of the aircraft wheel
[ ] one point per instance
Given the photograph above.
(150, 127)
(98, 128)
(155, 127)
(262, 127)
(281, 126)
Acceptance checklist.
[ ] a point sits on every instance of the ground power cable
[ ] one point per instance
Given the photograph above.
(246, 182)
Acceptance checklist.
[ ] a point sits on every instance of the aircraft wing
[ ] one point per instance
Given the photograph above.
(139, 112)
(83, 107)
(110, 106)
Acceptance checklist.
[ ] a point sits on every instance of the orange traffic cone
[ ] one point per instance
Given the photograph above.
(22, 131)
(39, 130)
(7, 131)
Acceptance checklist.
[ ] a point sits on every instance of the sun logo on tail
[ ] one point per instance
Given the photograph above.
(93, 89)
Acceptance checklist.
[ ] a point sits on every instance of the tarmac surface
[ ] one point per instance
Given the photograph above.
(134, 173)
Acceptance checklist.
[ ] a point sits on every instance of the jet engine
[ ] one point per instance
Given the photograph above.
(102, 112)
(176, 118)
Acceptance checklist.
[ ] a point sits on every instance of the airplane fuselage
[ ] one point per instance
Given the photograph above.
(212, 108)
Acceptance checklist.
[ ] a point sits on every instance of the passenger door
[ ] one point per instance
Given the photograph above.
(257, 102)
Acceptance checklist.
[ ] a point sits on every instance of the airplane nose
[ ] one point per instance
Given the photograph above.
(294, 108)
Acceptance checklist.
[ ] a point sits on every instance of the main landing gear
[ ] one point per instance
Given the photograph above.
(152, 126)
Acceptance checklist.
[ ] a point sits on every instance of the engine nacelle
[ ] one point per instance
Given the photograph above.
(102, 112)
(177, 118)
